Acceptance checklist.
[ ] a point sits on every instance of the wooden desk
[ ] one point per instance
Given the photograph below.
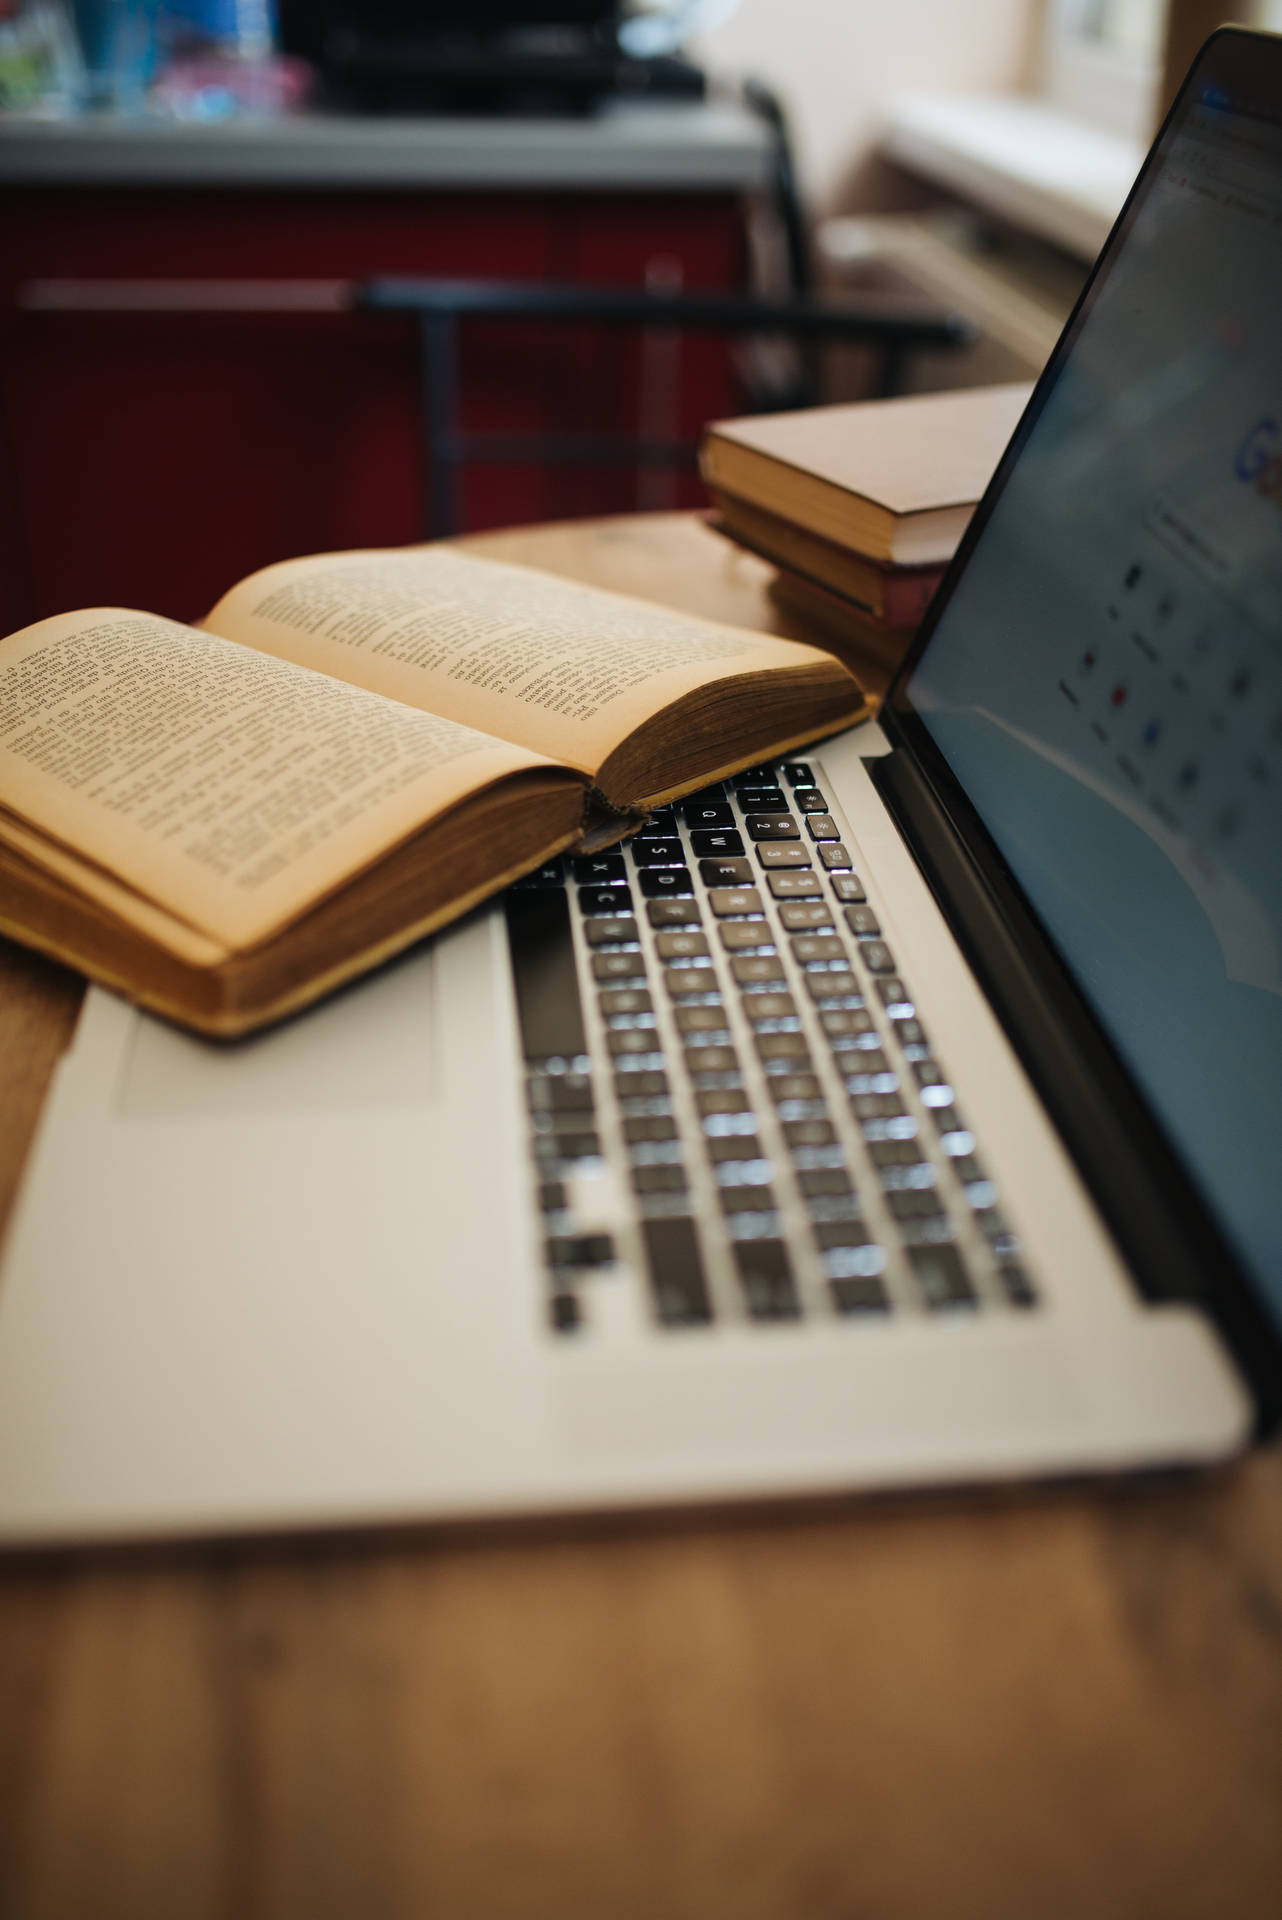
(1020, 1706)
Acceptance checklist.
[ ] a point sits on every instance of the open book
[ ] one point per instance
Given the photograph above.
(226, 822)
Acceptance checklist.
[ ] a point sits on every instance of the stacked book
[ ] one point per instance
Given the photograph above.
(860, 507)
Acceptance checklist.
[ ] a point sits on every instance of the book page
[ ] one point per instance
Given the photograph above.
(232, 788)
(567, 669)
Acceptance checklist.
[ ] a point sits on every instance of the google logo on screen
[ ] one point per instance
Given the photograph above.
(1259, 460)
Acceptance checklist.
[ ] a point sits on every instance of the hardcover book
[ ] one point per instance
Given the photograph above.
(893, 480)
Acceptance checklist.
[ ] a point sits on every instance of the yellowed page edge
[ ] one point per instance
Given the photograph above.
(185, 942)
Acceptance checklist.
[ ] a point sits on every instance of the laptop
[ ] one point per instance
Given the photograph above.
(902, 1115)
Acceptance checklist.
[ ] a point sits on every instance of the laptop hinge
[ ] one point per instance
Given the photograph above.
(1172, 1249)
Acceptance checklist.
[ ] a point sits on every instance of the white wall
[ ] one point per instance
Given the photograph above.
(833, 61)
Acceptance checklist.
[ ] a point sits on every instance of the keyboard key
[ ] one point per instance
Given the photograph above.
(677, 1283)
(727, 901)
(802, 916)
(721, 844)
(839, 1233)
(704, 1059)
(756, 969)
(673, 913)
(942, 1278)
(736, 1150)
(808, 947)
(895, 1153)
(756, 777)
(615, 1000)
(660, 826)
(795, 1086)
(684, 982)
(794, 886)
(772, 826)
(705, 796)
(894, 997)
(658, 853)
(658, 1179)
(769, 1006)
(554, 1196)
(560, 1093)
(876, 956)
(913, 1203)
(552, 1147)
(878, 1106)
(772, 858)
(789, 1047)
(681, 946)
(1016, 1284)
(620, 1041)
(798, 773)
(725, 873)
(751, 936)
(760, 799)
(564, 1315)
(834, 856)
(766, 1277)
(862, 921)
(822, 826)
(721, 1100)
(834, 985)
(809, 1133)
(929, 1073)
(649, 1127)
(618, 966)
(605, 899)
(598, 869)
(691, 1020)
(849, 1023)
(810, 800)
(717, 814)
(640, 1083)
(610, 932)
(847, 887)
(859, 1293)
(753, 1199)
(544, 975)
(659, 883)
(579, 1249)
(825, 1182)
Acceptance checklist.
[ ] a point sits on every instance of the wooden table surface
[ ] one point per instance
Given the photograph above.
(1029, 1704)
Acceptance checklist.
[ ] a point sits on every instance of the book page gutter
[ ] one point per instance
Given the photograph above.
(566, 669)
(232, 789)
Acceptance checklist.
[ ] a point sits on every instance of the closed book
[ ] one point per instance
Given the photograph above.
(841, 626)
(893, 596)
(893, 480)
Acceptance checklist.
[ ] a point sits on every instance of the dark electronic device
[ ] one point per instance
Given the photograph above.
(492, 56)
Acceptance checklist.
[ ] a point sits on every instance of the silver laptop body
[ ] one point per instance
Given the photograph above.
(883, 1119)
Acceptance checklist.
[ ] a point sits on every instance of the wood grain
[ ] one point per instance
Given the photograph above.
(1034, 1705)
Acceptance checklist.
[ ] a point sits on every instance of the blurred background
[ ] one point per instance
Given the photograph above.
(266, 271)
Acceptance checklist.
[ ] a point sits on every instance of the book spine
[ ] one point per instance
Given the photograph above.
(905, 597)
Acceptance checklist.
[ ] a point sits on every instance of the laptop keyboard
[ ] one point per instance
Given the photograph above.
(730, 1089)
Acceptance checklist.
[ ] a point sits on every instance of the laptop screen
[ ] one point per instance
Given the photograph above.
(1105, 678)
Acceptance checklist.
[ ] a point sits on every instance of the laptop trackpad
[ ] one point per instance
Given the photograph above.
(373, 1045)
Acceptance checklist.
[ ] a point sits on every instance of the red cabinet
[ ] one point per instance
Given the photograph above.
(151, 457)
